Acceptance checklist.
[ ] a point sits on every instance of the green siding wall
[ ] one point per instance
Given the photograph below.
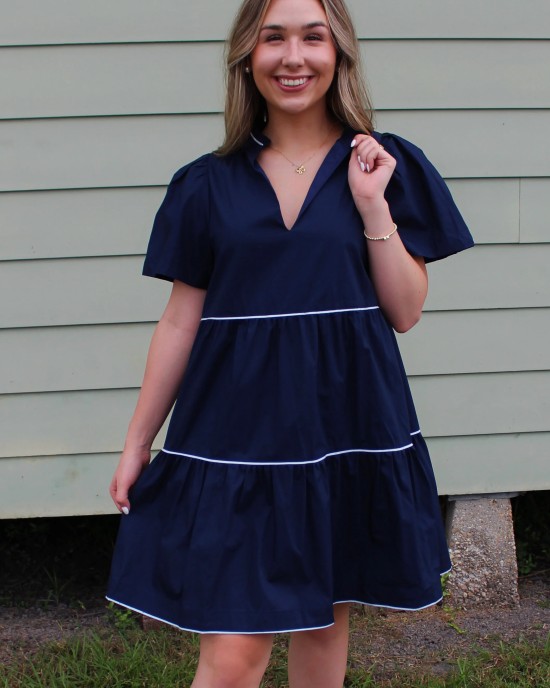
(100, 104)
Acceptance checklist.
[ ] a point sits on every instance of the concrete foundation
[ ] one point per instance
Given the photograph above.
(480, 534)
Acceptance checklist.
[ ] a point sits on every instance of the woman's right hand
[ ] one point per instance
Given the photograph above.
(131, 465)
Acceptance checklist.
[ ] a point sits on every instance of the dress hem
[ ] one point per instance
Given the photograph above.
(286, 630)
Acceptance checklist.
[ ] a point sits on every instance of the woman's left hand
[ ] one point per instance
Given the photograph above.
(370, 170)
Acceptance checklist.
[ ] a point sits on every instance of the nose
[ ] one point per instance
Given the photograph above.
(293, 56)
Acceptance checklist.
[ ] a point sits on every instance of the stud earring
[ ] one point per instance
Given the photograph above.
(247, 70)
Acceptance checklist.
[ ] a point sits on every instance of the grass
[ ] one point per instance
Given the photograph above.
(128, 658)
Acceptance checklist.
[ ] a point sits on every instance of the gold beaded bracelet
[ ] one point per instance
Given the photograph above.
(383, 238)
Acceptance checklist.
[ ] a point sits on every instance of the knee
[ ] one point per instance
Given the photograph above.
(234, 673)
(322, 636)
(226, 666)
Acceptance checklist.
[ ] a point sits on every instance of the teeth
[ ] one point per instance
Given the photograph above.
(293, 82)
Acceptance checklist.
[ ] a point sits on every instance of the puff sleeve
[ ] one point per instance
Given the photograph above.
(179, 247)
(430, 224)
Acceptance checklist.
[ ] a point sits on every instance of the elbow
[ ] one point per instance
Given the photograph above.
(406, 323)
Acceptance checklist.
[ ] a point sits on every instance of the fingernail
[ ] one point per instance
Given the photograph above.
(353, 143)
(125, 510)
(367, 168)
(362, 166)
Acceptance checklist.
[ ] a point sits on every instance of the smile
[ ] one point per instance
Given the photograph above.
(292, 82)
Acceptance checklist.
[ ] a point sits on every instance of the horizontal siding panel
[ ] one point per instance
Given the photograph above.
(110, 222)
(36, 22)
(458, 74)
(78, 484)
(77, 223)
(486, 464)
(485, 404)
(491, 277)
(59, 423)
(490, 208)
(106, 290)
(154, 78)
(477, 342)
(484, 150)
(144, 151)
(67, 422)
(74, 485)
(102, 152)
(80, 291)
(535, 210)
(50, 359)
(53, 359)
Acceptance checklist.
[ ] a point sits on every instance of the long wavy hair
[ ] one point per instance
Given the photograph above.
(347, 98)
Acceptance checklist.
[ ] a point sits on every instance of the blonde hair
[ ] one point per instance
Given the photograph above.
(347, 97)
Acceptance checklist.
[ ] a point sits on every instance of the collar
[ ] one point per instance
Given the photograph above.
(257, 140)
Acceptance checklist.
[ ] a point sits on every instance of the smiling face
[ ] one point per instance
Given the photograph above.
(294, 61)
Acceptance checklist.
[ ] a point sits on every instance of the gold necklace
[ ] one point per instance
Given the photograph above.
(301, 169)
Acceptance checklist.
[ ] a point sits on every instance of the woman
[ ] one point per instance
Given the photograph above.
(294, 478)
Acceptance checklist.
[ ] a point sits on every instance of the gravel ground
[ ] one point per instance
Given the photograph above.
(382, 640)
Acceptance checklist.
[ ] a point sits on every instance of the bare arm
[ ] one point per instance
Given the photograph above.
(166, 362)
(400, 280)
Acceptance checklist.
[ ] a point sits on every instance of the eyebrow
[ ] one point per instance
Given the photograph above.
(305, 27)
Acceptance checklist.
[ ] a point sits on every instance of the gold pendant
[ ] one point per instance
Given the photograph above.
(300, 170)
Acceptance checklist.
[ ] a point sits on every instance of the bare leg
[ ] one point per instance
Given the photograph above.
(232, 661)
(319, 658)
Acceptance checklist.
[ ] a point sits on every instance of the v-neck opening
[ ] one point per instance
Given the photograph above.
(323, 172)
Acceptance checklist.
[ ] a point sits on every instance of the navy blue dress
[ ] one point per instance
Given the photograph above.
(294, 475)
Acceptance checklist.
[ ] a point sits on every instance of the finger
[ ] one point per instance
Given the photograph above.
(367, 152)
(119, 496)
(375, 155)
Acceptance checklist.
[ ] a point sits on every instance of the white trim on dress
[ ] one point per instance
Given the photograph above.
(290, 315)
(293, 463)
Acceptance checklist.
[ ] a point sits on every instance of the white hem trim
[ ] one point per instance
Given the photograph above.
(194, 630)
(290, 463)
(287, 630)
(290, 315)
(389, 606)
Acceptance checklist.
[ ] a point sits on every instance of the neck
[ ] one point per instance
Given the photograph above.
(299, 133)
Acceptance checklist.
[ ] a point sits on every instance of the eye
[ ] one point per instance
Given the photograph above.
(272, 37)
(314, 37)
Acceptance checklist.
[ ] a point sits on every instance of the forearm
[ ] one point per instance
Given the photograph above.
(166, 363)
(400, 280)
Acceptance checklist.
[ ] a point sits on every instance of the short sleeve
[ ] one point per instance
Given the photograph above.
(179, 247)
(430, 224)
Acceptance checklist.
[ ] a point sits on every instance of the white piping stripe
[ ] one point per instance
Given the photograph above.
(255, 139)
(291, 315)
(290, 463)
(194, 630)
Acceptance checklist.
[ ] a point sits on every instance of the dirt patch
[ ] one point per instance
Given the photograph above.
(430, 640)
